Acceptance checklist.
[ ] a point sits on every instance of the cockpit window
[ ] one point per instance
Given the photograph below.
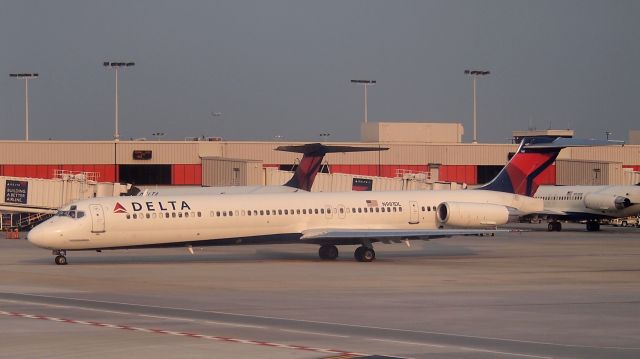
(72, 213)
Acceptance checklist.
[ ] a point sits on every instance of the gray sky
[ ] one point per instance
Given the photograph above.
(283, 67)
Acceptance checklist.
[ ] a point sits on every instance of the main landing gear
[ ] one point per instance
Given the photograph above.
(364, 254)
(554, 226)
(61, 258)
(593, 226)
(328, 252)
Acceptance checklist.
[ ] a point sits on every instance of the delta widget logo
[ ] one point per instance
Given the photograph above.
(119, 208)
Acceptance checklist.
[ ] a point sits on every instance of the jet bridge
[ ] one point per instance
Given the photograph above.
(25, 201)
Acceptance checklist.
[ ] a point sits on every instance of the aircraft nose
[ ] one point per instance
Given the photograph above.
(38, 236)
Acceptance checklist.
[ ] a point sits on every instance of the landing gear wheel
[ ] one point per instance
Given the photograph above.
(554, 227)
(364, 254)
(61, 260)
(328, 252)
(593, 226)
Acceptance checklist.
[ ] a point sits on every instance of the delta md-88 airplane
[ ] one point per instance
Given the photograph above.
(324, 219)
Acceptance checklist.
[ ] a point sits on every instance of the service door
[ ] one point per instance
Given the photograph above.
(414, 214)
(97, 218)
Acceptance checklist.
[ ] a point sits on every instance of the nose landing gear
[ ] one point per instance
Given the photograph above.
(61, 258)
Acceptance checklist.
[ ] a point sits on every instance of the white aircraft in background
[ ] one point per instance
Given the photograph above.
(325, 219)
(590, 203)
(302, 179)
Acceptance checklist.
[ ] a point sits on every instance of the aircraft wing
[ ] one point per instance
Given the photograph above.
(547, 212)
(319, 234)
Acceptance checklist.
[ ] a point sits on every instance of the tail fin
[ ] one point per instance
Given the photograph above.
(311, 161)
(534, 155)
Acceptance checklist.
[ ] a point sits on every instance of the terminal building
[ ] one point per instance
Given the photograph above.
(430, 149)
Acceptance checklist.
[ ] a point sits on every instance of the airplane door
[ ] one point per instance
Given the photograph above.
(97, 218)
(414, 214)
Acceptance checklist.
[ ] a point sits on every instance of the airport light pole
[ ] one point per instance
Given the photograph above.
(116, 66)
(365, 84)
(474, 74)
(26, 77)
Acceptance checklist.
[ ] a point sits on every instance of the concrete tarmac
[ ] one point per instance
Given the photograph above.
(573, 294)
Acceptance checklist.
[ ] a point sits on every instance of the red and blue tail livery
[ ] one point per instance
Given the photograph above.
(311, 161)
(535, 154)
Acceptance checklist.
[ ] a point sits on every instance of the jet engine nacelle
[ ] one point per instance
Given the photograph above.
(464, 214)
(606, 202)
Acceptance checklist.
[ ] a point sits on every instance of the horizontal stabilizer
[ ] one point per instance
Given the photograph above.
(562, 142)
(319, 147)
(311, 162)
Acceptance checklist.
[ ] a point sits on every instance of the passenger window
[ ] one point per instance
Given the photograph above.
(230, 213)
(399, 209)
(186, 214)
(154, 215)
(80, 214)
(341, 210)
(360, 210)
(262, 212)
(394, 209)
(322, 210)
(249, 212)
(297, 211)
(135, 216)
(128, 216)
(378, 209)
(268, 212)
(179, 214)
(316, 211)
(280, 212)
(218, 214)
(166, 214)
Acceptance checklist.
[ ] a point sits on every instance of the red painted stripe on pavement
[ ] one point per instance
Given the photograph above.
(190, 335)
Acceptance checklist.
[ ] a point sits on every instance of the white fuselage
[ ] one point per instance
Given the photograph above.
(117, 222)
(595, 201)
